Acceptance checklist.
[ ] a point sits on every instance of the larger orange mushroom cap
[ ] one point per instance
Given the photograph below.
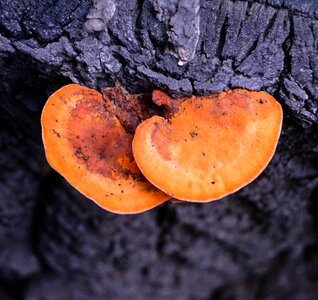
(211, 146)
(87, 145)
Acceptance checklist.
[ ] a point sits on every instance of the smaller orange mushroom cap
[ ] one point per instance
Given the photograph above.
(87, 145)
(210, 146)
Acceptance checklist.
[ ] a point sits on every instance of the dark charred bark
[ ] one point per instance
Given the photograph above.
(260, 243)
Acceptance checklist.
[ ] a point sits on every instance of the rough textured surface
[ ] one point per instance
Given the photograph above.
(260, 243)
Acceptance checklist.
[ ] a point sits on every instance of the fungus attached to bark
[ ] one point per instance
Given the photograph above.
(208, 147)
(88, 145)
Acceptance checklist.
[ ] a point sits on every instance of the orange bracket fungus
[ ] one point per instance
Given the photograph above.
(208, 147)
(87, 144)
(195, 149)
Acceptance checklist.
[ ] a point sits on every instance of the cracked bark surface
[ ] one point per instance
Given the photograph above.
(260, 243)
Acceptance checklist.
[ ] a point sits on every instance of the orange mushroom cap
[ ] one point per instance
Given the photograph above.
(211, 146)
(87, 145)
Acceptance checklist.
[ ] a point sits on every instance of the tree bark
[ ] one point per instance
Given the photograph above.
(260, 243)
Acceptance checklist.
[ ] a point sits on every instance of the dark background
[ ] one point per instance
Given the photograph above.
(260, 243)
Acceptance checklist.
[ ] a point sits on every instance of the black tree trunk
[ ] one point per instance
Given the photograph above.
(260, 243)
